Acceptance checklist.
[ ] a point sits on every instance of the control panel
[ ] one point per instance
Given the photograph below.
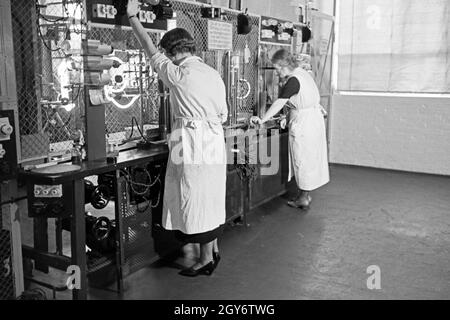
(41, 191)
(8, 153)
(50, 201)
(153, 15)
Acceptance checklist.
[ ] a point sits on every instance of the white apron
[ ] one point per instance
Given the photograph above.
(195, 185)
(308, 158)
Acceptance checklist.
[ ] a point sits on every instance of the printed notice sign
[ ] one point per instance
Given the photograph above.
(220, 35)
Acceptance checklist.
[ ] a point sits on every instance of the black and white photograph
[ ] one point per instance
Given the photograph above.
(224, 158)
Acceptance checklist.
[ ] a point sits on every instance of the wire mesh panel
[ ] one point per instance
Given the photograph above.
(189, 17)
(142, 81)
(50, 84)
(249, 72)
(42, 31)
(49, 69)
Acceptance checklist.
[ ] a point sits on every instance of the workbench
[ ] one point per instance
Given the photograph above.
(242, 196)
(40, 252)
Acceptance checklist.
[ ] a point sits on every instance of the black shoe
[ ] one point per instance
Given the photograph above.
(216, 257)
(205, 270)
(303, 205)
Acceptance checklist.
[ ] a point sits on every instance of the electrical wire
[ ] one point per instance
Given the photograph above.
(43, 40)
(140, 131)
(49, 20)
(78, 94)
(40, 16)
(131, 183)
(159, 194)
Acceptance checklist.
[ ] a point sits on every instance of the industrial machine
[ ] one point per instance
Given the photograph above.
(85, 90)
(93, 117)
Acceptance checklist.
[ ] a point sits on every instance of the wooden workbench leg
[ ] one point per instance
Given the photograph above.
(40, 236)
(78, 239)
(59, 241)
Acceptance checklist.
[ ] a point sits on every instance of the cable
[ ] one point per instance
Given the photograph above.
(40, 16)
(147, 186)
(132, 131)
(49, 20)
(43, 40)
(139, 129)
(159, 194)
(78, 94)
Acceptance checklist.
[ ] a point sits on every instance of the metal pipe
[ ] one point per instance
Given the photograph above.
(141, 90)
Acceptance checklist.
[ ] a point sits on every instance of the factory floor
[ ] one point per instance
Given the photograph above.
(397, 221)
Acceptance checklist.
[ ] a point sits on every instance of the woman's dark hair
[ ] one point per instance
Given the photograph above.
(285, 59)
(177, 40)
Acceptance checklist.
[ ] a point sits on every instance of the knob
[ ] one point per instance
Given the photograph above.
(6, 129)
(37, 191)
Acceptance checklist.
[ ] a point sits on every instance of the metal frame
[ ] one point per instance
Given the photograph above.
(8, 101)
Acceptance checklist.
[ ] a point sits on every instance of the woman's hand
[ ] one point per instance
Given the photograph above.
(133, 7)
(255, 120)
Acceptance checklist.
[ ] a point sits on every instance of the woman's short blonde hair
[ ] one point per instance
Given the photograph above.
(285, 59)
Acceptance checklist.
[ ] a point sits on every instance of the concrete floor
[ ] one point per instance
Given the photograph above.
(397, 221)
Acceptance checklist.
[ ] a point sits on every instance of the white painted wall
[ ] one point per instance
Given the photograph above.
(399, 133)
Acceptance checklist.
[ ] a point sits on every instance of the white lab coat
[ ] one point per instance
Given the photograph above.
(308, 159)
(195, 185)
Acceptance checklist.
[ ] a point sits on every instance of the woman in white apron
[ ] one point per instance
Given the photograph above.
(195, 185)
(307, 136)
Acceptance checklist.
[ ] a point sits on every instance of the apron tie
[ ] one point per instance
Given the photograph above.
(212, 122)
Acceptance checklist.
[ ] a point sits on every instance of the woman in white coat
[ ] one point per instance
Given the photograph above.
(194, 193)
(307, 137)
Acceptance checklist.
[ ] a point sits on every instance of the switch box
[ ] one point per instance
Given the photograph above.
(50, 201)
(48, 191)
